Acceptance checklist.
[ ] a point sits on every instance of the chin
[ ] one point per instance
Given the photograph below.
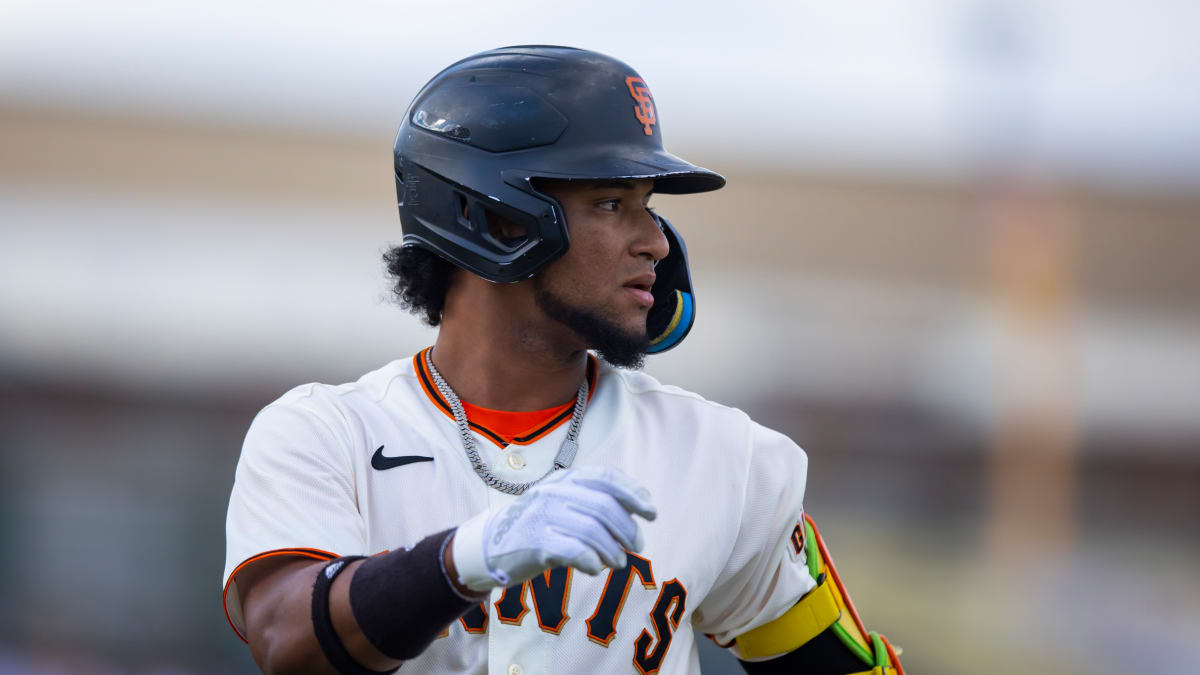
(619, 340)
(634, 328)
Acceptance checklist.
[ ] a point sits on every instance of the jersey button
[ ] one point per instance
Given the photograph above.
(515, 669)
(516, 461)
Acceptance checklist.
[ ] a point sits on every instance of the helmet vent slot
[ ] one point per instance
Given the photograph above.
(503, 232)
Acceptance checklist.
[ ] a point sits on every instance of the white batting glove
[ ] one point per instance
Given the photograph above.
(577, 517)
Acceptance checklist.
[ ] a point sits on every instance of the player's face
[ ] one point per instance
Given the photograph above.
(601, 286)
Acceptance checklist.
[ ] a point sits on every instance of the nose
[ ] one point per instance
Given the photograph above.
(650, 241)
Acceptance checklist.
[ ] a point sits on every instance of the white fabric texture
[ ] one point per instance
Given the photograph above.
(728, 493)
(291, 484)
(745, 594)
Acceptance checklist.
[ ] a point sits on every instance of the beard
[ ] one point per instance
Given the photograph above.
(618, 347)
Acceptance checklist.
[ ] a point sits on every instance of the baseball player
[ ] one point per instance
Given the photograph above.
(506, 500)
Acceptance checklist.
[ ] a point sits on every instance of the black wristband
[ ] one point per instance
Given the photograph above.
(335, 652)
(402, 600)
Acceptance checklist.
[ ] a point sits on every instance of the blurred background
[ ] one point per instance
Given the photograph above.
(955, 261)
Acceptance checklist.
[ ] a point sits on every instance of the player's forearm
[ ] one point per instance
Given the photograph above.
(280, 629)
(383, 610)
(277, 611)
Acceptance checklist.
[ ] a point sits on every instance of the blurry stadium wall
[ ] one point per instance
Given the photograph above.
(979, 316)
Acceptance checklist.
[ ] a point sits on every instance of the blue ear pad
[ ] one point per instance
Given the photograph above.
(680, 324)
(674, 309)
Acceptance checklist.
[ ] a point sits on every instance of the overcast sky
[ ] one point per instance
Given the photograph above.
(1105, 90)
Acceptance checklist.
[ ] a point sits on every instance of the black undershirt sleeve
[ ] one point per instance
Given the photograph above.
(402, 599)
(822, 655)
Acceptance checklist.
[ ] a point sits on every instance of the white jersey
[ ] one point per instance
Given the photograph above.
(722, 556)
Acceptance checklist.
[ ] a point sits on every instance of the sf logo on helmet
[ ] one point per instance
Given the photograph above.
(644, 110)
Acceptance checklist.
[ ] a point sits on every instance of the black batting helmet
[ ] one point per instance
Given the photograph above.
(479, 132)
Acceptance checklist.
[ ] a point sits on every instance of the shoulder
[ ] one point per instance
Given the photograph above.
(682, 413)
(675, 405)
(337, 410)
(644, 389)
(326, 399)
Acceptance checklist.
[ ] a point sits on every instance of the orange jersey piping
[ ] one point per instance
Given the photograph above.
(314, 553)
(558, 415)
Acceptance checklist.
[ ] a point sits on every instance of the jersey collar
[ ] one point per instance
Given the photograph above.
(503, 427)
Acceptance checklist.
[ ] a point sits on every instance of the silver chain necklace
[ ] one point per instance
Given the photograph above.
(566, 452)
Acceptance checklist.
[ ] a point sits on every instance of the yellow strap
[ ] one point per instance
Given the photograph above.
(807, 619)
(877, 671)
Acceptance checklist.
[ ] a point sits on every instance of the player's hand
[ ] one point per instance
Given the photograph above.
(582, 518)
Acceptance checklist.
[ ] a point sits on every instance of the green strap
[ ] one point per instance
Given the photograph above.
(813, 555)
(852, 645)
(881, 655)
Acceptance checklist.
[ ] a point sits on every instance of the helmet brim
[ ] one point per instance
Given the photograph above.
(671, 175)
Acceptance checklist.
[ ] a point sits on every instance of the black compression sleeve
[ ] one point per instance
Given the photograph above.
(822, 655)
(402, 600)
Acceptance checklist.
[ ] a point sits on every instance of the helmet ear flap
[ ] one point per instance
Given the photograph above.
(674, 309)
(501, 240)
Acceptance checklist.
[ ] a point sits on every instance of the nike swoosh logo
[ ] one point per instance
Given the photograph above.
(381, 463)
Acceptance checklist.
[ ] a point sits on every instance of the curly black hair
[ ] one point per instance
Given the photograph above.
(420, 281)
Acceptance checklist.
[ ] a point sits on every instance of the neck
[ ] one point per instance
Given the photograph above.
(495, 359)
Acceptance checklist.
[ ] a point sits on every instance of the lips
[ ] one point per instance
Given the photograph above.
(639, 287)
